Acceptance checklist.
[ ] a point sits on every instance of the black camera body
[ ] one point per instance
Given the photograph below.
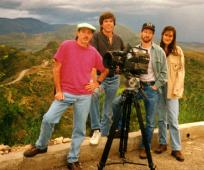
(132, 62)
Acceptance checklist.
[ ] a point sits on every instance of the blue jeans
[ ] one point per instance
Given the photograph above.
(117, 109)
(110, 86)
(81, 105)
(168, 111)
(150, 102)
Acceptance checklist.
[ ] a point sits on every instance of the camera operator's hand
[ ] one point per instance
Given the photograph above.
(92, 86)
(154, 87)
(59, 96)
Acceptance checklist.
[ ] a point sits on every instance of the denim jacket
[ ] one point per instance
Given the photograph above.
(159, 64)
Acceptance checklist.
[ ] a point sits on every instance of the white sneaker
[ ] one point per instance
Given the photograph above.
(95, 138)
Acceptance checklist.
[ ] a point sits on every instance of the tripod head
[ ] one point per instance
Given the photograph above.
(133, 89)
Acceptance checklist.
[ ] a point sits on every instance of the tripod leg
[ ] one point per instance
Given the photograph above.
(124, 135)
(124, 116)
(141, 124)
(106, 150)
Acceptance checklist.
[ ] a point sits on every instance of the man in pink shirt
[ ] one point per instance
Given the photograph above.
(74, 62)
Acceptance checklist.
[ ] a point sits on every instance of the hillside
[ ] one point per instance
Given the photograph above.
(26, 25)
(35, 42)
(23, 103)
(13, 60)
(192, 104)
(32, 34)
(193, 46)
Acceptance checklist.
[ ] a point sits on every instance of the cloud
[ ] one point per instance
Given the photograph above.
(57, 10)
(129, 12)
(127, 6)
(10, 13)
(10, 4)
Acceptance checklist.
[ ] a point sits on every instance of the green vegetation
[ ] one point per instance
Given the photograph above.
(14, 60)
(9, 113)
(23, 103)
(192, 104)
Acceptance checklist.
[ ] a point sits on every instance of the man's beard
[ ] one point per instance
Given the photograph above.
(146, 40)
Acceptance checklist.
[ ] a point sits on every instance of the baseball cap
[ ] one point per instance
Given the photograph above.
(86, 25)
(148, 25)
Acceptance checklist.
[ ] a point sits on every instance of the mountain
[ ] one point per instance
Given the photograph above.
(33, 34)
(35, 42)
(29, 40)
(27, 25)
(193, 46)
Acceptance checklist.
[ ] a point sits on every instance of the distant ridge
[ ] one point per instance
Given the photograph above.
(27, 25)
(37, 39)
(33, 34)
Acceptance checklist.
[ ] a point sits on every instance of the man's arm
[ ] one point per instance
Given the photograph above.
(162, 75)
(56, 75)
(103, 75)
(95, 84)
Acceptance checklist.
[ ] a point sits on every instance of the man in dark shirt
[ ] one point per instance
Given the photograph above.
(103, 41)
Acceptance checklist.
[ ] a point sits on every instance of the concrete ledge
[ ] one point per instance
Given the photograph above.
(56, 155)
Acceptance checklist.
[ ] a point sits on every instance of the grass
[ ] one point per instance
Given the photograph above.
(192, 104)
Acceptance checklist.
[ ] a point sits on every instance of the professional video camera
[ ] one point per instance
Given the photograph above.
(132, 63)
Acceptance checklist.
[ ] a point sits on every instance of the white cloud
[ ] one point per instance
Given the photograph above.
(181, 13)
(134, 7)
(11, 13)
(126, 6)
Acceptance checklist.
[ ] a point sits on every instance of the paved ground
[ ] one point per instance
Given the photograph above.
(193, 151)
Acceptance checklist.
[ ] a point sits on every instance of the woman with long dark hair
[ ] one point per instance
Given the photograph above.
(169, 103)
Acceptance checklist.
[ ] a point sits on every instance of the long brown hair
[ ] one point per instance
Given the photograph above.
(172, 46)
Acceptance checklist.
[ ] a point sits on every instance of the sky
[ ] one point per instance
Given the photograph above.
(186, 15)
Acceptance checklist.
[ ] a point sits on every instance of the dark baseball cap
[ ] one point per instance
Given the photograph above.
(148, 25)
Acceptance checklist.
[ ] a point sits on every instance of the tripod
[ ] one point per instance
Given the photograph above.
(128, 97)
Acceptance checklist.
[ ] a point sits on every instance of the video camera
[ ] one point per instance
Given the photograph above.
(132, 63)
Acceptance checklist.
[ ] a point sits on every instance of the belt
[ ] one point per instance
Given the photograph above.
(113, 77)
(110, 75)
(147, 83)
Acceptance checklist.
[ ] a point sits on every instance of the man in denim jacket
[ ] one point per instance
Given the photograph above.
(150, 82)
